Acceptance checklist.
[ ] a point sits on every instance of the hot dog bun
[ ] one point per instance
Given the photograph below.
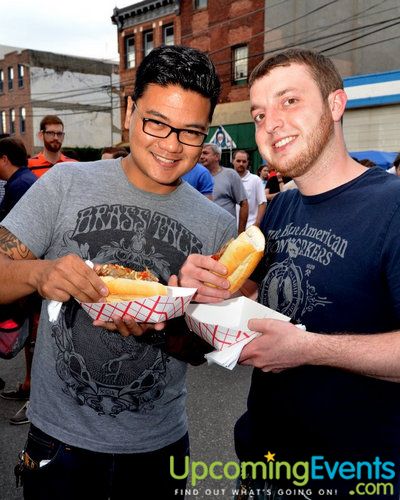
(242, 255)
(125, 284)
(124, 289)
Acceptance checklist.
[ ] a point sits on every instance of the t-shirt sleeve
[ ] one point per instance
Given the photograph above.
(33, 218)
(238, 191)
(226, 230)
(260, 192)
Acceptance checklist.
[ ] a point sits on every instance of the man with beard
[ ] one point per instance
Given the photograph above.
(326, 400)
(253, 186)
(52, 135)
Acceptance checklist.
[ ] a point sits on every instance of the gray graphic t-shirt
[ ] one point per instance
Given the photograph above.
(93, 388)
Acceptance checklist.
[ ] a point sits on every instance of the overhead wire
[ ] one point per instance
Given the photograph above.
(118, 86)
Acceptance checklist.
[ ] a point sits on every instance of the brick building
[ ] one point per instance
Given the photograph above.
(81, 91)
(231, 32)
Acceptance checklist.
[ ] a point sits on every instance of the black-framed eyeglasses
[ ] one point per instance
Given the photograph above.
(155, 128)
(50, 133)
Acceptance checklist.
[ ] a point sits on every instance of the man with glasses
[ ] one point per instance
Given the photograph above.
(52, 135)
(108, 399)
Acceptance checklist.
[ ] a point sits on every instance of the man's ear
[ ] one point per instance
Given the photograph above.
(337, 104)
(128, 114)
(40, 135)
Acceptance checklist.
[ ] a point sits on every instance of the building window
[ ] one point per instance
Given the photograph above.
(148, 44)
(200, 4)
(22, 120)
(1, 81)
(12, 121)
(168, 35)
(3, 122)
(130, 59)
(21, 72)
(10, 77)
(240, 64)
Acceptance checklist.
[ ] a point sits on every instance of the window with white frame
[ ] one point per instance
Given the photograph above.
(3, 122)
(240, 63)
(1, 81)
(21, 73)
(168, 34)
(12, 121)
(148, 44)
(130, 56)
(10, 74)
(22, 119)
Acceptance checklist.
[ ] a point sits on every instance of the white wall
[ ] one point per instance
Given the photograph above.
(71, 93)
(372, 128)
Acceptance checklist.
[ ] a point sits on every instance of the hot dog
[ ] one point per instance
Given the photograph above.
(241, 256)
(124, 284)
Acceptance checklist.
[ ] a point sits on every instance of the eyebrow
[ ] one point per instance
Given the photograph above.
(280, 93)
(157, 114)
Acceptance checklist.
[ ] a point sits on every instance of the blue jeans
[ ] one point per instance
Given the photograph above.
(71, 473)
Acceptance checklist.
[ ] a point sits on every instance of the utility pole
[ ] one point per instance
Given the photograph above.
(111, 108)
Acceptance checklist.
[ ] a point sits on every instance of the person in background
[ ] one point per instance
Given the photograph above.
(253, 186)
(228, 187)
(201, 179)
(18, 178)
(14, 172)
(107, 404)
(274, 183)
(262, 173)
(112, 153)
(52, 135)
(2, 183)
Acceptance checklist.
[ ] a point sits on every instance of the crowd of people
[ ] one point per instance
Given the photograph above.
(107, 399)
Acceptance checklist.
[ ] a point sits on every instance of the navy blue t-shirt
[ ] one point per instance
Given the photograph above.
(332, 263)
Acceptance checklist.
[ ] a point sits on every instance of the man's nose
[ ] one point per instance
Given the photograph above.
(171, 142)
(273, 121)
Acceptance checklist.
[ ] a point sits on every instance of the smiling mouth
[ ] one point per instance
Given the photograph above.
(283, 142)
(164, 160)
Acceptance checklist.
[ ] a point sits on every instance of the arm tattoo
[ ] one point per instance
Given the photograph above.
(11, 246)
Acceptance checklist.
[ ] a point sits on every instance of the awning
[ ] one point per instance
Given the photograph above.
(383, 159)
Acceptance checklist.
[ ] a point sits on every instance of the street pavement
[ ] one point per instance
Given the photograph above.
(216, 398)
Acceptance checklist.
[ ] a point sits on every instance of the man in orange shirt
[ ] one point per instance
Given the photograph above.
(52, 135)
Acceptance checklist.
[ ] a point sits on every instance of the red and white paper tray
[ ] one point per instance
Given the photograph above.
(224, 326)
(146, 310)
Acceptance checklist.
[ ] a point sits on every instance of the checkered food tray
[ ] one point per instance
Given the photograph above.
(225, 324)
(146, 310)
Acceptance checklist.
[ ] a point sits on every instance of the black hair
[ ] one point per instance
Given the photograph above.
(15, 151)
(177, 65)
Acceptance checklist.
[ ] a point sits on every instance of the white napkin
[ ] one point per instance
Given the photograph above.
(54, 306)
(229, 356)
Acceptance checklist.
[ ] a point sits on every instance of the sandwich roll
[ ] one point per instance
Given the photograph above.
(125, 284)
(124, 289)
(241, 256)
